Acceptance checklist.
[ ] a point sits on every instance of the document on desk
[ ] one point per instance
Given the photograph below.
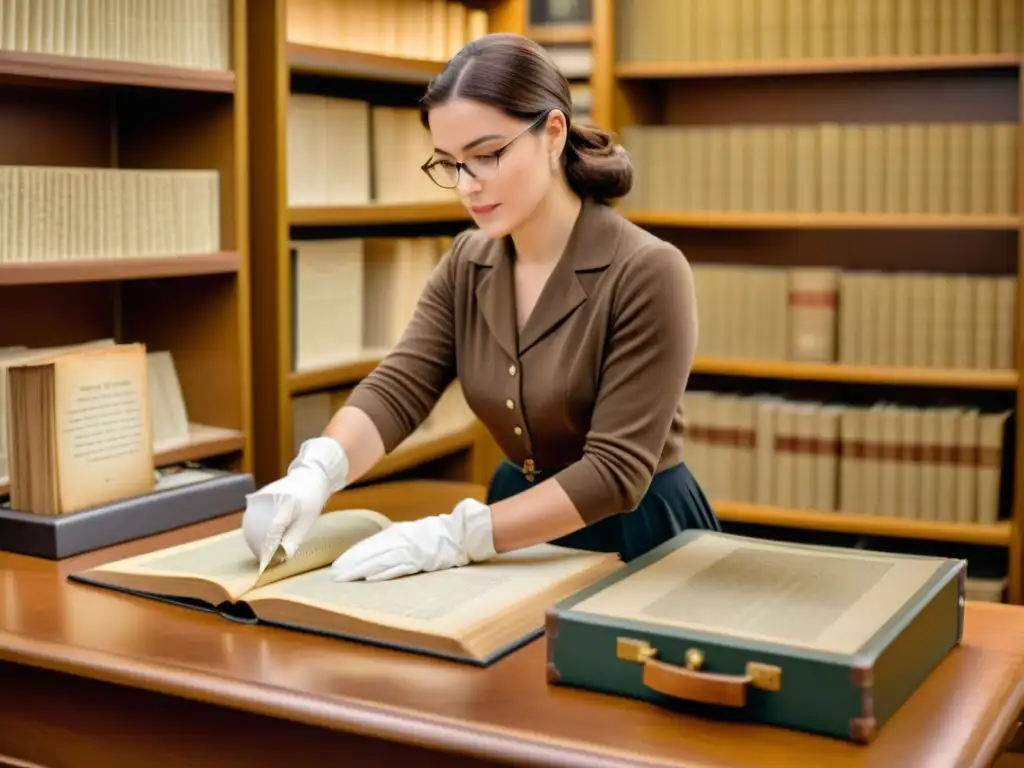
(831, 601)
(473, 614)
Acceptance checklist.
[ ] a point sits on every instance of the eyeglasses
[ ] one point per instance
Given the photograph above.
(445, 173)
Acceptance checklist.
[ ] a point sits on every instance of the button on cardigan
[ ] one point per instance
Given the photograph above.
(591, 389)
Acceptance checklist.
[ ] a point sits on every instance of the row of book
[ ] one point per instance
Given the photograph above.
(66, 214)
(857, 317)
(927, 320)
(311, 412)
(191, 34)
(921, 463)
(354, 297)
(105, 408)
(432, 30)
(960, 168)
(727, 30)
(350, 152)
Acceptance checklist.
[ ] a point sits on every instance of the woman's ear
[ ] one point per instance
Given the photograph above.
(556, 130)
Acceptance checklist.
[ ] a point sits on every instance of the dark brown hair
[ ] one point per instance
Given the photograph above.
(516, 75)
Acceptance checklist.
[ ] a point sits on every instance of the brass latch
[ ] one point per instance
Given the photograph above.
(636, 651)
(767, 677)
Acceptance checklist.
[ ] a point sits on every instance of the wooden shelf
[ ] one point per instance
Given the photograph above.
(996, 535)
(333, 62)
(788, 220)
(952, 378)
(204, 443)
(421, 449)
(561, 34)
(839, 90)
(958, 378)
(650, 70)
(347, 374)
(105, 270)
(357, 215)
(73, 69)
(76, 112)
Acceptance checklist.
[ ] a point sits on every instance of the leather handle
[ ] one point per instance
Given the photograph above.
(690, 682)
(694, 685)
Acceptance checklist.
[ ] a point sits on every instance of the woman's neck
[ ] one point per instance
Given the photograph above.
(543, 236)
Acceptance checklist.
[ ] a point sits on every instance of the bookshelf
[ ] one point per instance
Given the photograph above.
(123, 175)
(757, 137)
(337, 200)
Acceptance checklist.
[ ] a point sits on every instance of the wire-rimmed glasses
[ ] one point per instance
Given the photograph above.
(445, 172)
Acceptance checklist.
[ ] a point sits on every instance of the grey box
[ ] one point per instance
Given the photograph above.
(58, 536)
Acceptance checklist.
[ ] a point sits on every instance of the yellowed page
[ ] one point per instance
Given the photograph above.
(103, 428)
(227, 561)
(332, 534)
(760, 590)
(448, 602)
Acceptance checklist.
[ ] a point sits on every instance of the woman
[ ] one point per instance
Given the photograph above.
(571, 330)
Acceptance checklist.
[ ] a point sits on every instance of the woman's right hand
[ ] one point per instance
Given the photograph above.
(280, 514)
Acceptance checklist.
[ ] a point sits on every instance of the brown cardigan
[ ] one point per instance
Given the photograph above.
(593, 383)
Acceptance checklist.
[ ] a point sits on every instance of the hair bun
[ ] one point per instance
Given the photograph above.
(595, 165)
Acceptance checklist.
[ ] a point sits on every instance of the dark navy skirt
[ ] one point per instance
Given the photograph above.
(673, 503)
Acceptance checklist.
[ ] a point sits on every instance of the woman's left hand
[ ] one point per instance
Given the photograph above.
(434, 543)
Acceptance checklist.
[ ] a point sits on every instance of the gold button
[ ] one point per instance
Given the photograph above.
(518, 430)
(511, 370)
(509, 404)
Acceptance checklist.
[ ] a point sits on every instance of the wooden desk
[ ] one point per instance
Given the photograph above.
(79, 665)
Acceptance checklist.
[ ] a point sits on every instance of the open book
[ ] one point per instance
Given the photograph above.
(474, 614)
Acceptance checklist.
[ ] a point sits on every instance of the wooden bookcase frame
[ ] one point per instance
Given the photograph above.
(630, 93)
(469, 455)
(74, 111)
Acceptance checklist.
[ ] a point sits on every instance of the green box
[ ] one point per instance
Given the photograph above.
(821, 639)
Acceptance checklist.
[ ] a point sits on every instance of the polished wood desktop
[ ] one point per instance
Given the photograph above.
(92, 677)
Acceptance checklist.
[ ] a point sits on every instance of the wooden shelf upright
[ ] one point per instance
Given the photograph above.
(289, 64)
(107, 111)
(679, 72)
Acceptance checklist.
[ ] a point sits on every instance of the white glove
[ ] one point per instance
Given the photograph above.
(281, 513)
(431, 544)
